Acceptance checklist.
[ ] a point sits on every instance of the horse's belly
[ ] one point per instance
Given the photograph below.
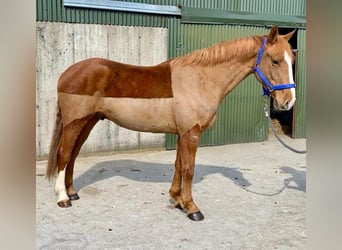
(140, 114)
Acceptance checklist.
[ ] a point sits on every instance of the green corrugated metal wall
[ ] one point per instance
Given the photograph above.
(240, 117)
(54, 11)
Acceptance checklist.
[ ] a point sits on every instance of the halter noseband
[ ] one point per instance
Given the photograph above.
(269, 87)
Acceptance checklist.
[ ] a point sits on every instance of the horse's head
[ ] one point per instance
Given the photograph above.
(274, 64)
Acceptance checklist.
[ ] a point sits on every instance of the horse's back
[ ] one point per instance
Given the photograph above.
(115, 79)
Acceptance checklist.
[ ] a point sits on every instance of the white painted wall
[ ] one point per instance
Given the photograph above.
(61, 44)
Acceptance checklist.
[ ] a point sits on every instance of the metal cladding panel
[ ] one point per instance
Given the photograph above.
(300, 109)
(240, 116)
(54, 11)
(156, 2)
(283, 7)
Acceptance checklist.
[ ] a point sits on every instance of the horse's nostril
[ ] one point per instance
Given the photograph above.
(286, 105)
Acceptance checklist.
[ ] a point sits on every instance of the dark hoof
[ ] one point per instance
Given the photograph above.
(179, 207)
(74, 197)
(64, 204)
(197, 216)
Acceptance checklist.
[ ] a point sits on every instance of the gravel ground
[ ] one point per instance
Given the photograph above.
(252, 196)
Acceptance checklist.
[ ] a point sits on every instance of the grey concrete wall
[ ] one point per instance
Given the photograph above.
(60, 44)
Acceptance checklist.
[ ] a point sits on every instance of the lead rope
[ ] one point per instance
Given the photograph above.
(274, 132)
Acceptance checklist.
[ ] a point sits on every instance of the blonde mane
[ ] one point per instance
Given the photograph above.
(222, 52)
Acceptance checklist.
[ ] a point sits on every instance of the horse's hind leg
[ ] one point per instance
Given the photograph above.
(175, 190)
(72, 194)
(71, 134)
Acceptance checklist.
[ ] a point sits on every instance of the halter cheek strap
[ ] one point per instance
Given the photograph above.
(269, 87)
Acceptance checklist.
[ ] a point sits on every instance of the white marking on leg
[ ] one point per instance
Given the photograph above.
(60, 187)
(293, 91)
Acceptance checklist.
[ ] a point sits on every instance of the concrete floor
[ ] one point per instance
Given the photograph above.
(252, 196)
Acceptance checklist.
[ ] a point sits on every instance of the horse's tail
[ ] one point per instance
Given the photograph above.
(55, 144)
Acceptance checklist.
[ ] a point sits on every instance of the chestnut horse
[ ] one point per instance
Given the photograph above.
(179, 96)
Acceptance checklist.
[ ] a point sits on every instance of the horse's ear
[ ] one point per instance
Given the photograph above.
(289, 35)
(273, 35)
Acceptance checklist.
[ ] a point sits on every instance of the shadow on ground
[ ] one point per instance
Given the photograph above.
(297, 177)
(151, 172)
(154, 172)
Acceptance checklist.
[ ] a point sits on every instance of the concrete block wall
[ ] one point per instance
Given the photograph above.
(61, 44)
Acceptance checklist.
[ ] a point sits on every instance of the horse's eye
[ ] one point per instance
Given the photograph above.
(275, 62)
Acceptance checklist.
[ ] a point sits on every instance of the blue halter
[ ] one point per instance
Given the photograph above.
(269, 87)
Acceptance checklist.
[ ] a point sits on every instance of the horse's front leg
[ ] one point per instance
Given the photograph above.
(188, 144)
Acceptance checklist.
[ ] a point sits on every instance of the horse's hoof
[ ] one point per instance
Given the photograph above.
(179, 207)
(197, 216)
(64, 204)
(74, 197)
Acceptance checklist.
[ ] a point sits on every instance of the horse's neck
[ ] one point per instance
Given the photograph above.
(243, 63)
(233, 71)
(236, 73)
